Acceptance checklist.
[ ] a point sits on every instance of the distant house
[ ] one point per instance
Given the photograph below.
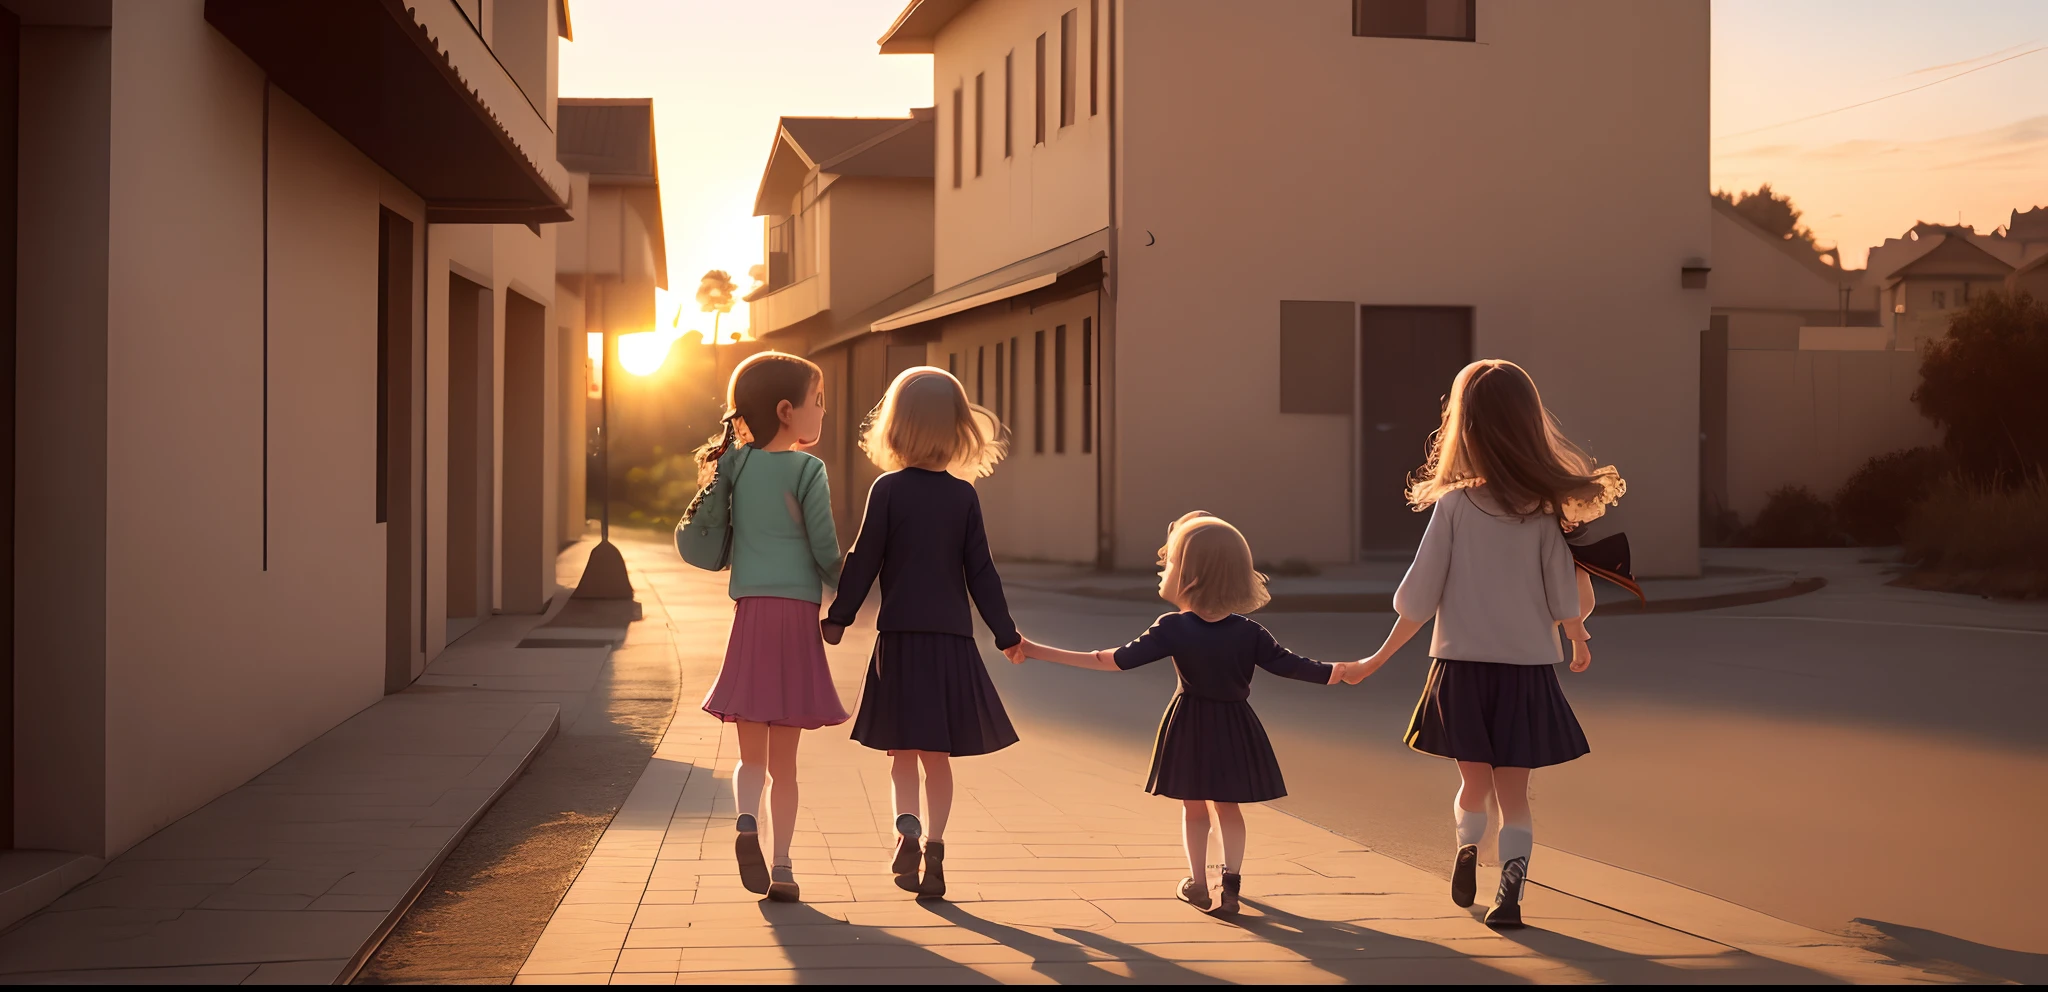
(1191, 273)
(1931, 272)
(846, 208)
(608, 261)
(2030, 230)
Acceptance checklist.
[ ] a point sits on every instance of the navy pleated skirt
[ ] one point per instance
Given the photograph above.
(930, 692)
(1215, 750)
(1507, 716)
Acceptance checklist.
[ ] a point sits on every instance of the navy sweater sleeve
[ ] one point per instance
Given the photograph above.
(1150, 646)
(864, 562)
(982, 581)
(1286, 664)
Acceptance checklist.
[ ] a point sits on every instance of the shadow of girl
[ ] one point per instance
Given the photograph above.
(1356, 953)
(824, 949)
(1071, 962)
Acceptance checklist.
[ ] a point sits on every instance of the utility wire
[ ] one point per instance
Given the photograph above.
(1866, 103)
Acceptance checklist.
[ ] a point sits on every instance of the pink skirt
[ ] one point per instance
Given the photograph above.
(775, 671)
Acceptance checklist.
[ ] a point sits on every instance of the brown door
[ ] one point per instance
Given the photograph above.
(394, 442)
(1407, 358)
(470, 409)
(526, 558)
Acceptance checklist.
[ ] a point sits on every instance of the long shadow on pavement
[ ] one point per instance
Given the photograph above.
(1357, 953)
(854, 953)
(1063, 962)
(1621, 967)
(1920, 945)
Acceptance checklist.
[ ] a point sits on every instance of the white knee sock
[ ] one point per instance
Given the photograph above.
(1471, 825)
(1516, 841)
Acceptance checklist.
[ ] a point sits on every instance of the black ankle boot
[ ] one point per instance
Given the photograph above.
(934, 884)
(1507, 909)
(905, 864)
(1465, 876)
(1226, 902)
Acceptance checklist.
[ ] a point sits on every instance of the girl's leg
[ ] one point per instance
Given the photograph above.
(1230, 823)
(1194, 834)
(938, 791)
(1475, 786)
(1511, 789)
(752, 772)
(903, 782)
(782, 744)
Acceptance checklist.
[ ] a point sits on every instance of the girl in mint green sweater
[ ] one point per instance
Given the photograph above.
(775, 683)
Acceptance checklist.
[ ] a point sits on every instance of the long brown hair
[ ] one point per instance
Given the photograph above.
(753, 395)
(1497, 433)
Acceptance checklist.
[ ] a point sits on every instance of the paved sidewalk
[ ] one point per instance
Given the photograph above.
(294, 876)
(1061, 870)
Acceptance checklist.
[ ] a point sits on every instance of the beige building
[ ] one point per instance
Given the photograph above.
(1926, 276)
(289, 378)
(846, 208)
(1187, 286)
(609, 261)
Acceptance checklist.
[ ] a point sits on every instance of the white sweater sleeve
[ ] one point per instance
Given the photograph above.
(1422, 589)
(1560, 584)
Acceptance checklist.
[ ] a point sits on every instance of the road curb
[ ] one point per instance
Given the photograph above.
(549, 714)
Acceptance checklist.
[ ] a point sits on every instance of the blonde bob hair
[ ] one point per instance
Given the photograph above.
(1497, 433)
(926, 421)
(1213, 566)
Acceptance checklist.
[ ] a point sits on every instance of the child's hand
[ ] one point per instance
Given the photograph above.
(830, 631)
(1363, 669)
(1018, 652)
(1582, 656)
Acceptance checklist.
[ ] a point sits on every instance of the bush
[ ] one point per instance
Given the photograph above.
(1982, 385)
(1985, 539)
(1876, 500)
(1793, 517)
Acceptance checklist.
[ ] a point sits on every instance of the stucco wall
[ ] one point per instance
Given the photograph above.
(216, 666)
(1399, 172)
(1044, 195)
(880, 233)
(1750, 272)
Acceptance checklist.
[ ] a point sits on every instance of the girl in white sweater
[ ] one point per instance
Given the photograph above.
(1495, 574)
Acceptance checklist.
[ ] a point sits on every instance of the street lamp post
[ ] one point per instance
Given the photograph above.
(604, 577)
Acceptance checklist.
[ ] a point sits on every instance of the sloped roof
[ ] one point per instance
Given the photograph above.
(611, 140)
(1796, 250)
(854, 146)
(919, 23)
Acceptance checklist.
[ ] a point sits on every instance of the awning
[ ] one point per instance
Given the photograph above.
(369, 70)
(1015, 279)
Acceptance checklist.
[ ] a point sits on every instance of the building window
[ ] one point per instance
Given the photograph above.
(1038, 392)
(953, 363)
(1437, 20)
(1040, 139)
(1067, 92)
(1087, 384)
(1059, 389)
(1094, 57)
(979, 116)
(1009, 99)
(1016, 359)
(999, 408)
(981, 375)
(956, 136)
(1940, 300)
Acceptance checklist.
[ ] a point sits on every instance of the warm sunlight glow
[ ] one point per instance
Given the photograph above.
(643, 353)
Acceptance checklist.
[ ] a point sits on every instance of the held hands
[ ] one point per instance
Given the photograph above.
(1019, 651)
(1354, 672)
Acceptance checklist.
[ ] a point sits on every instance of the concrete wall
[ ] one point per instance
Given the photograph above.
(879, 240)
(1040, 503)
(60, 526)
(1811, 418)
(1042, 196)
(1751, 272)
(1400, 172)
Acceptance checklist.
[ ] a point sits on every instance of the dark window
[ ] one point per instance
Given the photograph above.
(1038, 392)
(1440, 20)
(1094, 56)
(1016, 361)
(981, 375)
(1087, 384)
(980, 115)
(956, 137)
(1009, 99)
(953, 363)
(1001, 411)
(1316, 369)
(1067, 40)
(1040, 139)
(1059, 389)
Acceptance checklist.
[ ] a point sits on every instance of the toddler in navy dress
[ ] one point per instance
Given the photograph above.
(927, 697)
(1211, 747)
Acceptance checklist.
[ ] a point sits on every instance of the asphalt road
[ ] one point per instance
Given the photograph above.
(1816, 769)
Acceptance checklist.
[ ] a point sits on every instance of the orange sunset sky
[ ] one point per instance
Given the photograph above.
(1871, 114)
